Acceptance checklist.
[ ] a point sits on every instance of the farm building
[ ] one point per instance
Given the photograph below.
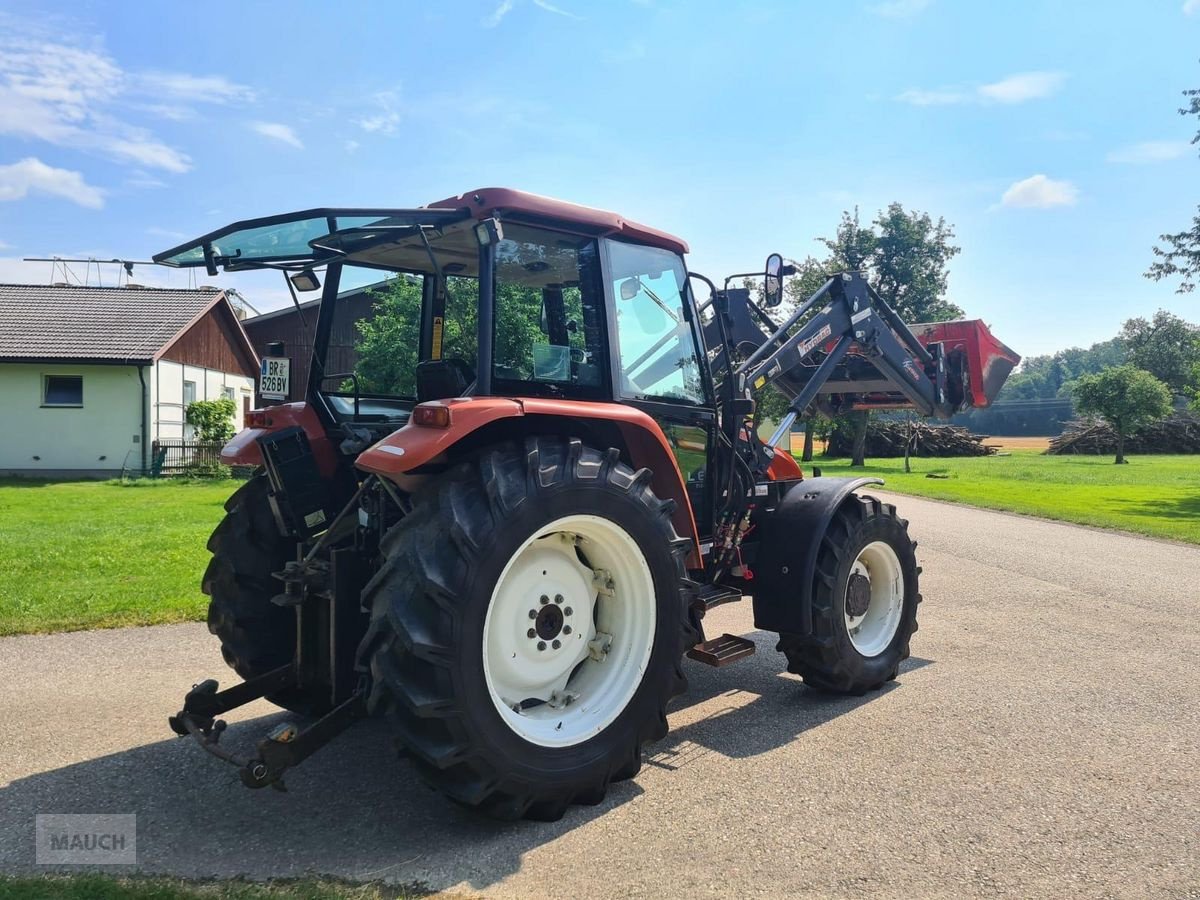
(91, 377)
(295, 331)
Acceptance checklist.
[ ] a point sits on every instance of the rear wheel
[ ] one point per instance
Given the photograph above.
(864, 601)
(528, 625)
(256, 635)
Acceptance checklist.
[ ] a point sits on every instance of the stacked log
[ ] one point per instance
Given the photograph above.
(886, 438)
(1178, 433)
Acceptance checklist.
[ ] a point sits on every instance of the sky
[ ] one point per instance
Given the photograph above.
(1046, 132)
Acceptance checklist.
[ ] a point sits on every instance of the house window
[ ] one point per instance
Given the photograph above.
(229, 393)
(62, 390)
(189, 394)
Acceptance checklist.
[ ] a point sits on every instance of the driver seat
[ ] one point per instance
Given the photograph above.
(440, 379)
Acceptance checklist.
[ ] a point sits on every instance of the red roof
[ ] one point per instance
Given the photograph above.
(486, 201)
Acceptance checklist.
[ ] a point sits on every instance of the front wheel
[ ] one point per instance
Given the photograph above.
(528, 624)
(864, 602)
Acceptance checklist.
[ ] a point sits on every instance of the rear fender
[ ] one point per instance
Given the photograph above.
(789, 540)
(414, 445)
(243, 449)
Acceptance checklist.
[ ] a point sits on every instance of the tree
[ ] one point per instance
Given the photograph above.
(1181, 258)
(1168, 347)
(212, 419)
(1124, 396)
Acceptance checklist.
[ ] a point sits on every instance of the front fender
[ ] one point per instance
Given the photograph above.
(789, 540)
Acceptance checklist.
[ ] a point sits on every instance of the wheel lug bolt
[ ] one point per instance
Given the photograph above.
(544, 600)
(566, 629)
(541, 645)
(558, 598)
(531, 633)
(568, 611)
(533, 614)
(557, 644)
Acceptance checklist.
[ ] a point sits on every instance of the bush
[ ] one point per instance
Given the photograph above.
(212, 419)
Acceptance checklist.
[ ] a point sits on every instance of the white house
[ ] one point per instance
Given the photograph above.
(91, 377)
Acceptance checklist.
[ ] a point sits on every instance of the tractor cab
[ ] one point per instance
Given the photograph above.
(494, 293)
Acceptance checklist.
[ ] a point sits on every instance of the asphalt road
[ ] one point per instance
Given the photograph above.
(1043, 741)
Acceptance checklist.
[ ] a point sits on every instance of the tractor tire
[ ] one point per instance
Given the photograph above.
(528, 623)
(256, 635)
(864, 603)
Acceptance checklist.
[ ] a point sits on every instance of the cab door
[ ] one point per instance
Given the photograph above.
(657, 367)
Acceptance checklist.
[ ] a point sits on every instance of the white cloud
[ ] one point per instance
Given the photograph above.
(279, 132)
(1013, 89)
(194, 88)
(504, 7)
(942, 97)
(351, 146)
(496, 16)
(386, 119)
(1149, 151)
(1040, 192)
(1023, 86)
(144, 180)
(900, 9)
(31, 174)
(5, 245)
(1191, 7)
(76, 96)
(558, 11)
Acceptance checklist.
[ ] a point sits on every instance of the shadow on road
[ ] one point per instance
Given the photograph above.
(357, 811)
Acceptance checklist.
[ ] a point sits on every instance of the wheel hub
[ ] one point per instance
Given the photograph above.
(858, 595)
(549, 622)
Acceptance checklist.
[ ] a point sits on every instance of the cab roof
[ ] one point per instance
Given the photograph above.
(509, 203)
(313, 236)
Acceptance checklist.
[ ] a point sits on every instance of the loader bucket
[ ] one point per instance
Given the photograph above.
(989, 361)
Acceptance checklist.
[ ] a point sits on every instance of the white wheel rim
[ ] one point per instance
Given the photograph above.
(872, 632)
(594, 649)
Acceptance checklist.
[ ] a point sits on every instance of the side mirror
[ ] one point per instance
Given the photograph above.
(630, 288)
(773, 283)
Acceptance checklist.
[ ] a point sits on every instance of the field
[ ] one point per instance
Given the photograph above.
(1153, 495)
(101, 554)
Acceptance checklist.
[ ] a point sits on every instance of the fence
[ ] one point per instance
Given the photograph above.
(177, 456)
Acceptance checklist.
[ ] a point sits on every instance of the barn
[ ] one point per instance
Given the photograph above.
(92, 377)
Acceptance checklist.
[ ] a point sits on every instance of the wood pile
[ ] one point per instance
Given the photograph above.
(1178, 433)
(885, 438)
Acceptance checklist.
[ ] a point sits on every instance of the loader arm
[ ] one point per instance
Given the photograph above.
(854, 352)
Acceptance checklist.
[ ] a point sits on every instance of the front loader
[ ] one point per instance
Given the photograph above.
(522, 474)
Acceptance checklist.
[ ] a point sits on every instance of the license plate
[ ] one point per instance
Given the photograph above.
(274, 381)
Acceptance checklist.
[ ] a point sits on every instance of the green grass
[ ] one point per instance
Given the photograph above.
(1153, 495)
(94, 554)
(109, 887)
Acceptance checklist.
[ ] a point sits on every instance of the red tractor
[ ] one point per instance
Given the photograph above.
(524, 473)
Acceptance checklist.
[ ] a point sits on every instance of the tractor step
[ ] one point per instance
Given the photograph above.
(722, 651)
(710, 595)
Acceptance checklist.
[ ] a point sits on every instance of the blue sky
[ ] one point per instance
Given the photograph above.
(1045, 132)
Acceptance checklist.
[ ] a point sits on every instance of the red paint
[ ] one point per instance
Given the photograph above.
(784, 467)
(989, 360)
(243, 450)
(648, 447)
(486, 202)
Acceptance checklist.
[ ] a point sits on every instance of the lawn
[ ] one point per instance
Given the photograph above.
(93, 554)
(1153, 495)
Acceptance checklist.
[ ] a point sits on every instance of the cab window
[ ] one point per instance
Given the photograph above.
(549, 331)
(657, 344)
